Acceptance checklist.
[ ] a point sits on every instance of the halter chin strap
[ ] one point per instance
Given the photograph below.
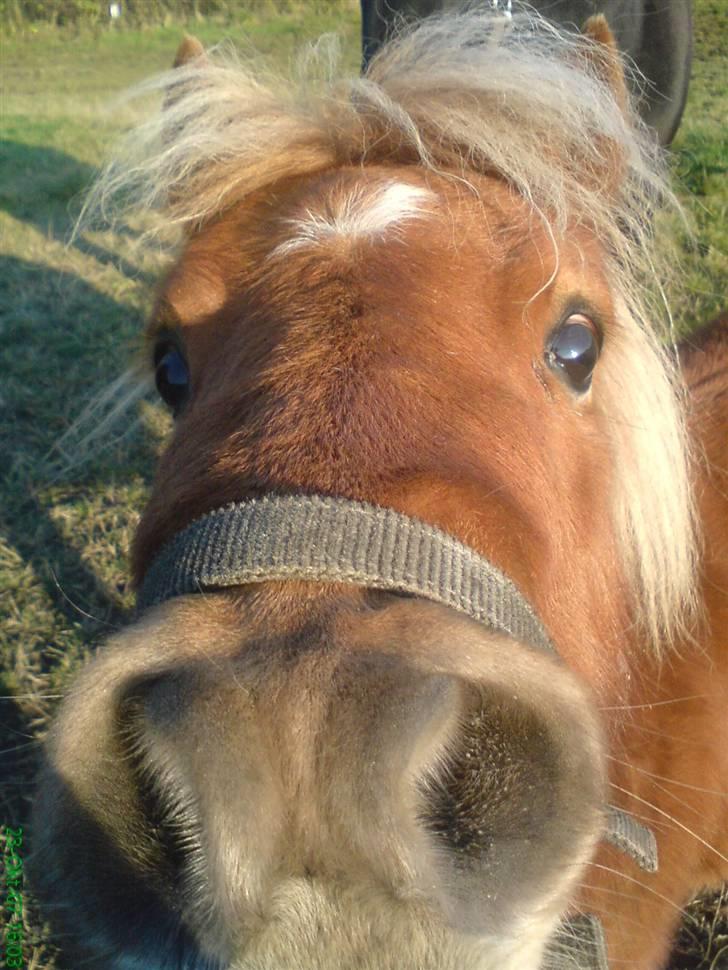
(315, 538)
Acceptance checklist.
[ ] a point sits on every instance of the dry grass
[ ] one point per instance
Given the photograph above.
(70, 319)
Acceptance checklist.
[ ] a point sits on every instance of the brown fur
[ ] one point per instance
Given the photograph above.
(676, 752)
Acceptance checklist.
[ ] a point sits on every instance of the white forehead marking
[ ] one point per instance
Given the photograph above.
(365, 211)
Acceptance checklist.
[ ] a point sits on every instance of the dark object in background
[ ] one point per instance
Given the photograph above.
(656, 34)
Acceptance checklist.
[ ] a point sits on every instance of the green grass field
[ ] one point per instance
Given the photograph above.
(70, 319)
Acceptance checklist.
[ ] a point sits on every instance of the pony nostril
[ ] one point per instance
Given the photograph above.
(484, 796)
(168, 819)
(505, 804)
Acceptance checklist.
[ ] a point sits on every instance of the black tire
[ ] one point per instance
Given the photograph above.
(665, 58)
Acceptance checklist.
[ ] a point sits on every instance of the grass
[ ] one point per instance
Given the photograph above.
(700, 165)
(70, 318)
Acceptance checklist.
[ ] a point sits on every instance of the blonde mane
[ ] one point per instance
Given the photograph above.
(462, 94)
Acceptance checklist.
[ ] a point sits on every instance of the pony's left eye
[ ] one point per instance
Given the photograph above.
(573, 351)
(171, 376)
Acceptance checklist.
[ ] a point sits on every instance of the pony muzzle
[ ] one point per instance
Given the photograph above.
(404, 755)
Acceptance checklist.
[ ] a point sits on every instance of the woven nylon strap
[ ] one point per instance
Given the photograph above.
(337, 540)
(316, 538)
(628, 835)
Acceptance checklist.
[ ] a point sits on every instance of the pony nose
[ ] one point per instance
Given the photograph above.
(318, 762)
(407, 749)
(478, 793)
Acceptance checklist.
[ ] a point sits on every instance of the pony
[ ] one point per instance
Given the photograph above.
(423, 308)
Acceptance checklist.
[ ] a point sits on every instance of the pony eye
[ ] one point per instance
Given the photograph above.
(573, 351)
(172, 377)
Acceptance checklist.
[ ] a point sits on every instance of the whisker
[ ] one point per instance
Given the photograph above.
(642, 707)
(77, 608)
(680, 801)
(20, 734)
(30, 696)
(667, 737)
(613, 892)
(643, 885)
(20, 747)
(671, 781)
(675, 821)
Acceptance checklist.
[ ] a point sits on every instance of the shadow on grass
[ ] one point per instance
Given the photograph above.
(61, 340)
(45, 187)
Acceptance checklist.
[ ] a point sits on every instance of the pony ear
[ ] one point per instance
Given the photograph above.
(189, 52)
(605, 59)
(190, 49)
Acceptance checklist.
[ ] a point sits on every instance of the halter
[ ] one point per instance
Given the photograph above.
(315, 538)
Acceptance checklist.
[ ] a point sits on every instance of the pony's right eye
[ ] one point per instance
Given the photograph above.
(172, 377)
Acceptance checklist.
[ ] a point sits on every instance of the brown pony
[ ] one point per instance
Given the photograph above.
(427, 290)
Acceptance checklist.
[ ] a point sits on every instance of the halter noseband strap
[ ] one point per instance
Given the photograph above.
(312, 537)
(335, 540)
